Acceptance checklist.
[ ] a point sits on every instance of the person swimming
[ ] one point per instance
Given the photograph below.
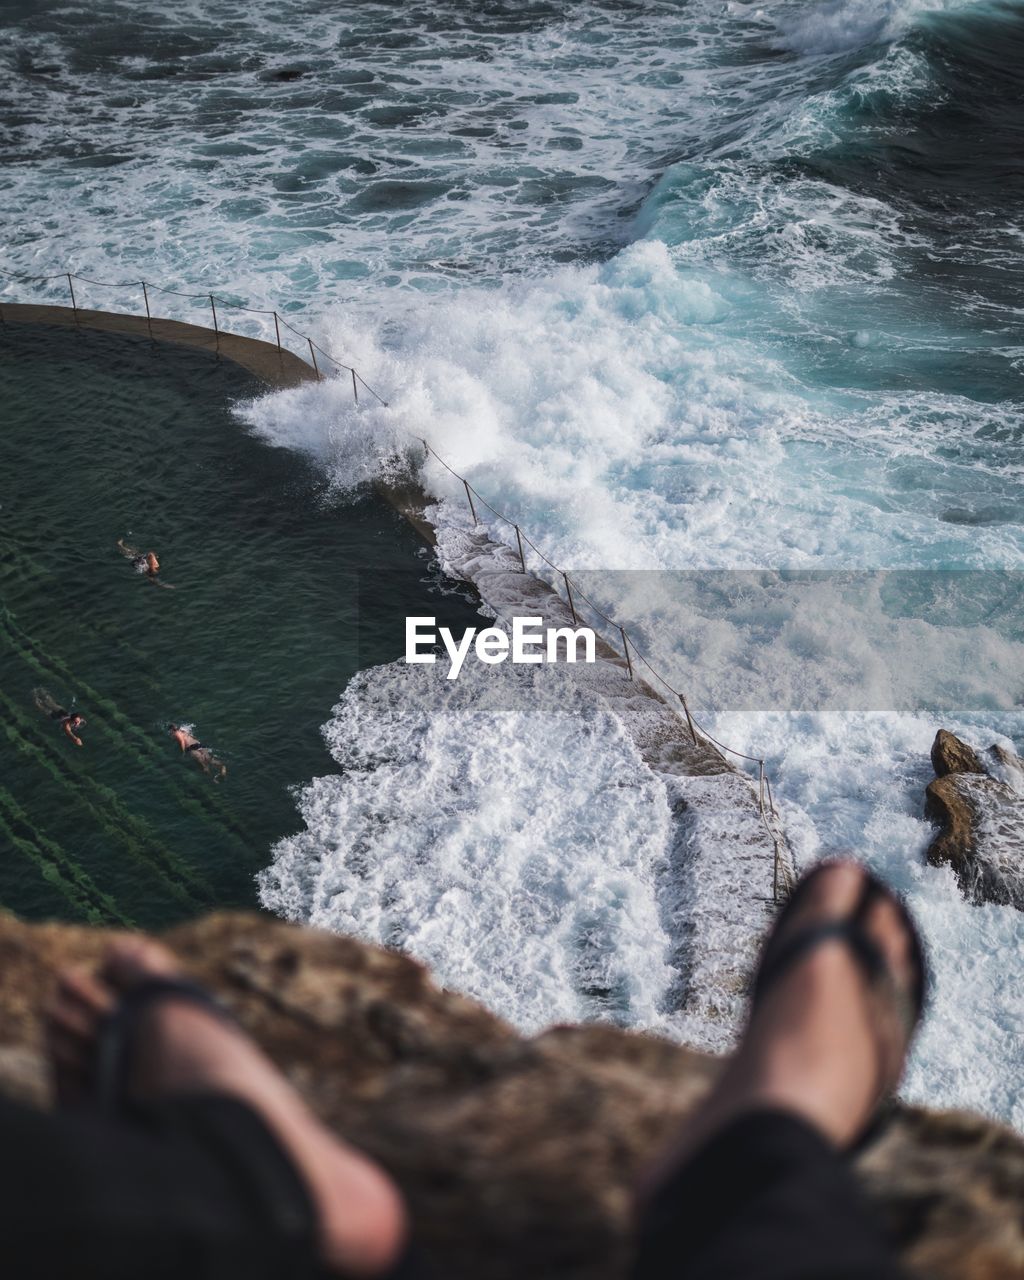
(69, 721)
(204, 757)
(143, 562)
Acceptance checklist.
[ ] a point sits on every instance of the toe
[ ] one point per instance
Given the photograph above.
(132, 960)
(72, 1019)
(887, 927)
(832, 891)
(85, 990)
(80, 1002)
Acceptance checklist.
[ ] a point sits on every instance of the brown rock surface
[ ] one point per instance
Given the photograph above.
(977, 802)
(950, 755)
(950, 808)
(516, 1155)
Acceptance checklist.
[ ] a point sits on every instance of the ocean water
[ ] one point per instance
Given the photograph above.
(680, 287)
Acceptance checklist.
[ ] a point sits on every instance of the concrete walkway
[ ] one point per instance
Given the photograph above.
(263, 359)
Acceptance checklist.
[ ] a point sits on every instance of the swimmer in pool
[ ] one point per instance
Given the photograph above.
(191, 746)
(69, 721)
(146, 563)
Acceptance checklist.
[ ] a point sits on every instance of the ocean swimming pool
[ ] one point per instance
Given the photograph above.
(282, 592)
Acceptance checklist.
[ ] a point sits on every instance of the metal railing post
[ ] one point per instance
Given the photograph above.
(771, 799)
(277, 330)
(469, 499)
(689, 720)
(760, 786)
(355, 389)
(519, 539)
(145, 298)
(312, 352)
(71, 289)
(572, 607)
(216, 330)
(625, 650)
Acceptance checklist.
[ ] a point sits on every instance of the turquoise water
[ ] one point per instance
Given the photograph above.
(281, 593)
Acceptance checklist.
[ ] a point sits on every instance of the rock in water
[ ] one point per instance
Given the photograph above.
(950, 755)
(977, 801)
(517, 1156)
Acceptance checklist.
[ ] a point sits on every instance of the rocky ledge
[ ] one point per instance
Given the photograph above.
(977, 801)
(516, 1155)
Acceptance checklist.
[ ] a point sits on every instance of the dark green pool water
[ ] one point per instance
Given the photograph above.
(283, 591)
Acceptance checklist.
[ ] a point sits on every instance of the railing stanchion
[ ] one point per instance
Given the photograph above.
(625, 650)
(355, 389)
(689, 719)
(71, 290)
(312, 352)
(216, 330)
(760, 786)
(572, 607)
(469, 499)
(277, 330)
(519, 539)
(775, 875)
(145, 298)
(771, 799)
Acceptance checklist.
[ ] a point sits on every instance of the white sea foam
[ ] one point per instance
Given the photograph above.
(501, 827)
(622, 425)
(619, 411)
(838, 26)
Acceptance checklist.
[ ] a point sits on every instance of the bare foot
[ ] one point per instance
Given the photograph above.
(79, 1005)
(184, 1048)
(822, 1041)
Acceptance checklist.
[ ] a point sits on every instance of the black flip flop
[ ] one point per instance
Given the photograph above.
(115, 1042)
(783, 950)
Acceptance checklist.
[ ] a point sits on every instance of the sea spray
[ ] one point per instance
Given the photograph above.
(501, 828)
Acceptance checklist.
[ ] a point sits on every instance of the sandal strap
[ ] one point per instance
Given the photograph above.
(779, 955)
(848, 930)
(115, 1041)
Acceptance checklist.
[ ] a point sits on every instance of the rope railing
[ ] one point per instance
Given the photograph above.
(213, 300)
(782, 877)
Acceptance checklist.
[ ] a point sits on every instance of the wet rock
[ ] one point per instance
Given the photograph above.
(1006, 766)
(977, 802)
(950, 755)
(517, 1156)
(952, 811)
